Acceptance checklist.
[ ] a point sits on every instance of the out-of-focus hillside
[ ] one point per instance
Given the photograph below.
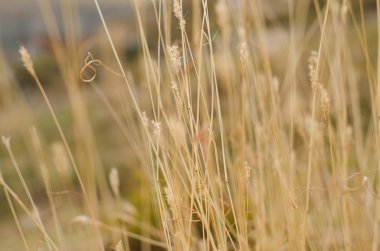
(21, 21)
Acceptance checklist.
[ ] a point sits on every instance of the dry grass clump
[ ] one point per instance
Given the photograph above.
(219, 136)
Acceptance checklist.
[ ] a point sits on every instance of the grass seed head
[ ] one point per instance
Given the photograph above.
(313, 61)
(325, 102)
(27, 60)
(6, 141)
(247, 170)
(175, 58)
(60, 159)
(156, 128)
(177, 10)
(244, 52)
(114, 181)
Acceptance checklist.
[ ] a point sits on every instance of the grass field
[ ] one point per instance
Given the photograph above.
(193, 125)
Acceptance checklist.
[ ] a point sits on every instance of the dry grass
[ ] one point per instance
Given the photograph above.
(232, 130)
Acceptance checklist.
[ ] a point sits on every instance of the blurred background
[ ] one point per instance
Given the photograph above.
(26, 22)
